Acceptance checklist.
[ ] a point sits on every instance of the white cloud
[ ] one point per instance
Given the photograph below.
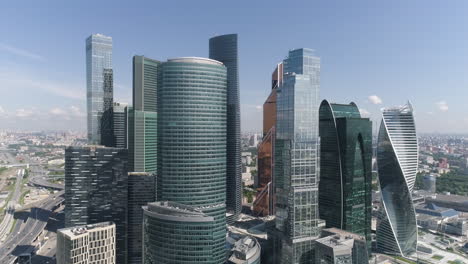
(374, 99)
(2, 111)
(76, 111)
(442, 105)
(364, 112)
(24, 113)
(57, 111)
(19, 52)
(259, 107)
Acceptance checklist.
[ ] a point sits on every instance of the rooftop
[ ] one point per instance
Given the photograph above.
(196, 60)
(80, 230)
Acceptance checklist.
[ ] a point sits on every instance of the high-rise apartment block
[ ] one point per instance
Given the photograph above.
(99, 83)
(224, 48)
(141, 191)
(264, 203)
(96, 190)
(397, 159)
(345, 189)
(296, 171)
(86, 244)
(143, 117)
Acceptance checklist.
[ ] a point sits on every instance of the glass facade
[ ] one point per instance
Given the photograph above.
(296, 171)
(176, 233)
(95, 186)
(192, 141)
(224, 49)
(345, 197)
(141, 191)
(143, 117)
(397, 160)
(264, 203)
(99, 84)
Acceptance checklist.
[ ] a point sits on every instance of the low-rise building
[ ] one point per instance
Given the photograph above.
(245, 251)
(341, 247)
(86, 244)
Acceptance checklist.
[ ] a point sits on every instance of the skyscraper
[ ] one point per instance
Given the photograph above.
(99, 82)
(264, 203)
(192, 143)
(120, 123)
(141, 191)
(224, 49)
(86, 244)
(143, 117)
(345, 189)
(96, 189)
(114, 126)
(296, 157)
(397, 160)
(176, 233)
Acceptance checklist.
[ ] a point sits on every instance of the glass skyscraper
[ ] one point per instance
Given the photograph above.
(224, 49)
(141, 191)
(345, 189)
(99, 84)
(264, 203)
(397, 160)
(296, 171)
(96, 190)
(192, 144)
(143, 117)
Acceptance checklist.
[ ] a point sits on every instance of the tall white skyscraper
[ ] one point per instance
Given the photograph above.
(99, 82)
(397, 160)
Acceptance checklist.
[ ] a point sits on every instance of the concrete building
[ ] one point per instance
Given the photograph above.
(341, 247)
(87, 244)
(457, 202)
(245, 251)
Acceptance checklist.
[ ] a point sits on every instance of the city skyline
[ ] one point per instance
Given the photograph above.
(386, 61)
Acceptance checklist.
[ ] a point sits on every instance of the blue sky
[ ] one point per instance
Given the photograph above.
(375, 53)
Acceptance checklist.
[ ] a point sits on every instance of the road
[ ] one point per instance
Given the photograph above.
(8, 220)
(22, 241)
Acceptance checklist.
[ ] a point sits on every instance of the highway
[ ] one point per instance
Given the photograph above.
(21, 242)
(8, 220)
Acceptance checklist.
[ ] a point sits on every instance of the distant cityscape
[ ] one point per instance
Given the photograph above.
(170, 178)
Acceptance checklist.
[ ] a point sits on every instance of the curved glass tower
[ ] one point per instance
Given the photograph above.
(175, 233)
(345, 200)
(397, 159)
(224, 49)
(192, 141)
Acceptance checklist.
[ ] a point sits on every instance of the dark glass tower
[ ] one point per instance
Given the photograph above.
(141, 191)
(96, 190)
(114, 126)
(345, 198)
(192, 143)
(143, 117)
(224, 49)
